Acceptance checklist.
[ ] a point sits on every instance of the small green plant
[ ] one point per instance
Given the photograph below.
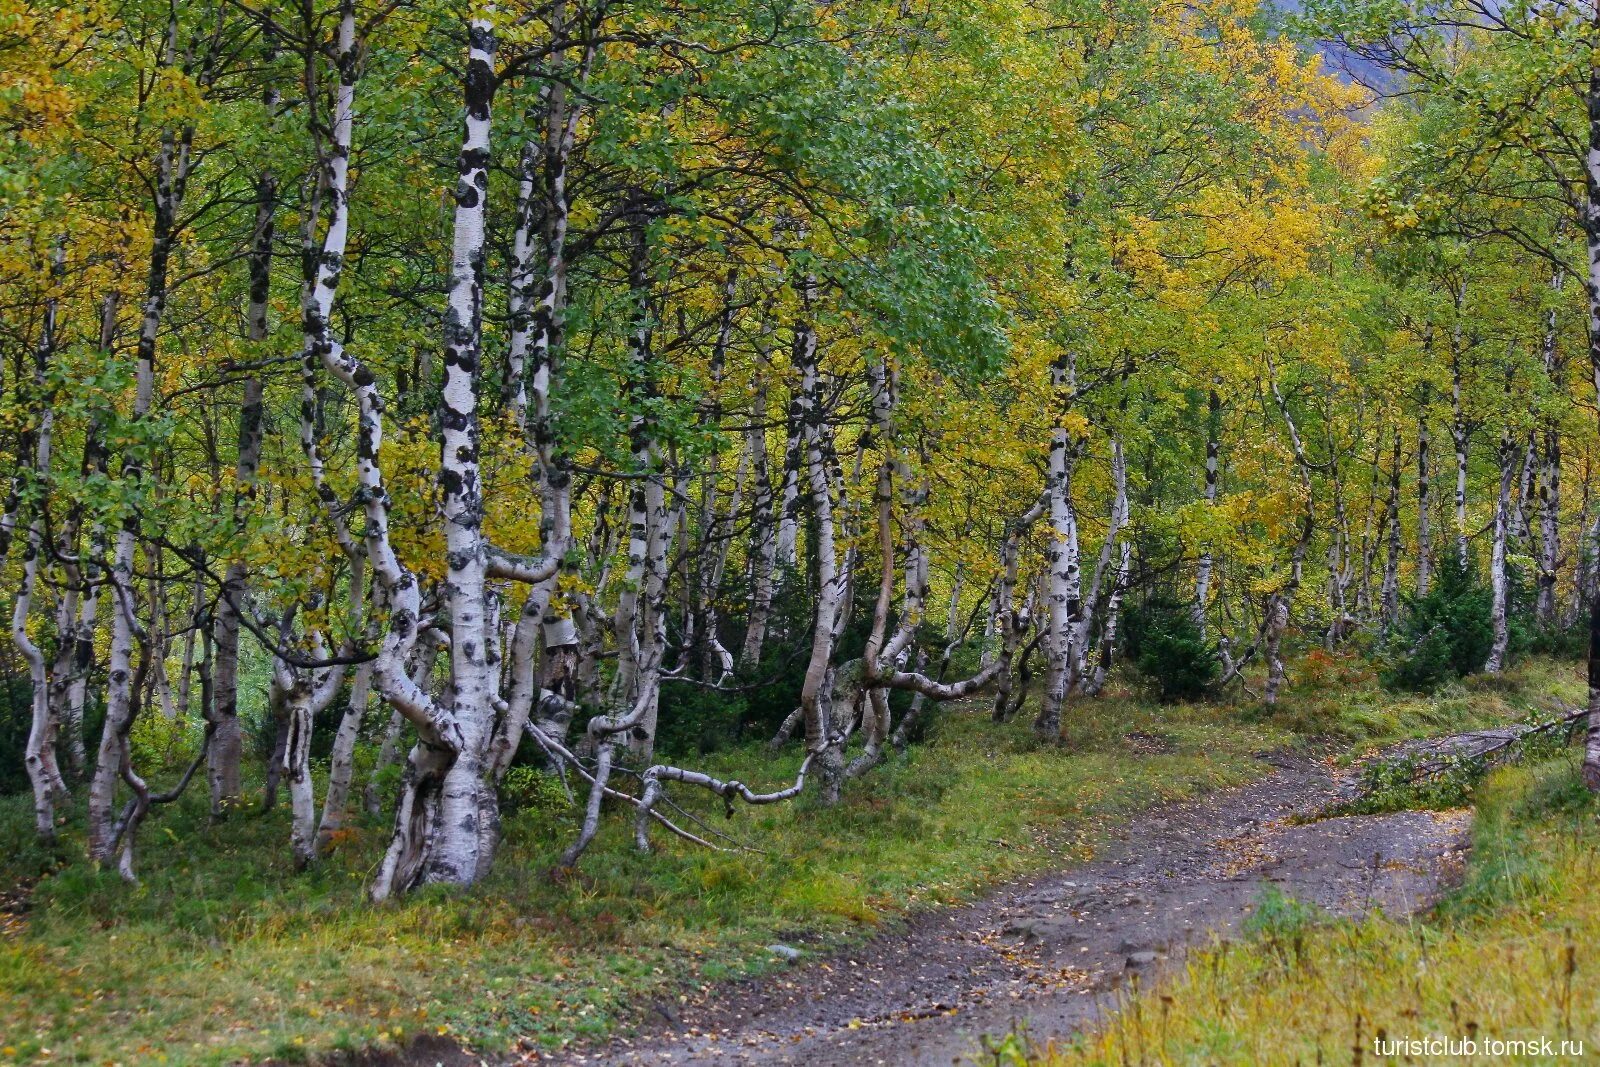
(530, 789)
(158, 742)
(1412, 783)
(1167, 647)
(1280, 922)
(1445, 634)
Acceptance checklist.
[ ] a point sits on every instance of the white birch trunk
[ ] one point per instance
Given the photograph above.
(1389, 597)
(1458, 436)
(111, 758)
(39, 754)
(1064, 592)
(454, 826)
(1424, 507)
(763, 550)
(1202, 583)
(1498, 584)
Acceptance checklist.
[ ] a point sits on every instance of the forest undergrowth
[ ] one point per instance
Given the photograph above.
(223, 954)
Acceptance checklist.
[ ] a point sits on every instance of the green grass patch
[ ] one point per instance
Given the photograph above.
(1510, 955)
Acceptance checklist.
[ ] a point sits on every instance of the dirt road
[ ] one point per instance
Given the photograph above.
(1043, 955)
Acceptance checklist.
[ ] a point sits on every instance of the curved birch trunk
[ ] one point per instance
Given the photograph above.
(39, 753)
(1276, 613)
(815, 690)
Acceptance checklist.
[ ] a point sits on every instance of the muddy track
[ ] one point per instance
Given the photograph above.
(1044, 955)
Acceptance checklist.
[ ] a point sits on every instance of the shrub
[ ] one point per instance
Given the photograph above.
(16, 719)
(1405, 784)
(530, 789)
(159, 743)
(1166, 646)
(1554, 639)
(1444, 635)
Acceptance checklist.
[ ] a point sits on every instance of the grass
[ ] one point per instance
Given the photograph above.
(222, 954)
(1511, 955)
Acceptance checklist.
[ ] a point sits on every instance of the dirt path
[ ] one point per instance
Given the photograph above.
(1042, 955)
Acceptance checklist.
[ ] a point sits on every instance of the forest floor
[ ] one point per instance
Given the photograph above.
(222, 954)
(1042, 955)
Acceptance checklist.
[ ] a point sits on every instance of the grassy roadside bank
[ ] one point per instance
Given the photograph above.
(223, 954)
(1510, 956)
